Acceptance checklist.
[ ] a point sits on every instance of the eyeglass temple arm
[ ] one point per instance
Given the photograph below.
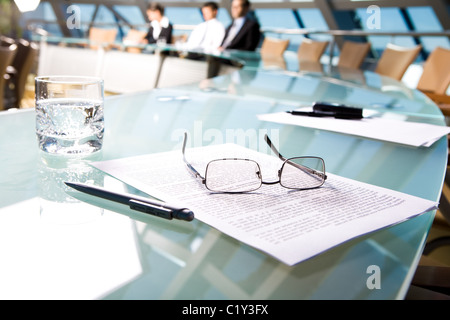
(274, 149)
(193, 171)
(303, 168)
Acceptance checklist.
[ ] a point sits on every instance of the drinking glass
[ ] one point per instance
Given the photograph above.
(69, 114)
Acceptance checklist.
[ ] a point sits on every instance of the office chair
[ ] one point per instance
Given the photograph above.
(134, 37)
(272, 50)
(99, 37)
(311, 50)
(353, 54)
(306, 66)
(273, 46)
(395, 60)
(432, 279)
(179, 38)
(21, 65)
(273, 62)
(6, 41)
(435, 78)
(7, 54)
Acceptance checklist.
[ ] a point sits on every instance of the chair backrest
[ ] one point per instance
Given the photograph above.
(435, 77)
(22, 63)
(306, 66)
(395, 60)
(311, 50)
(273, 46)
(273, 62)
(99, 37)
(134, 37)
(353, 54)
(6, 58)
(6, 41)
(179, 38)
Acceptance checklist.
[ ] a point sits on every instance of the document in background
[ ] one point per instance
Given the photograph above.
(408, 133)
(289, 225)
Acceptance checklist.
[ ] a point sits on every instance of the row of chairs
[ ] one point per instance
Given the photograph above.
(100, 37)
(393, 63)
(352, 54)
(16, 62)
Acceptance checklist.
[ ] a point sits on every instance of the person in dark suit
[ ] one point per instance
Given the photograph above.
(160, 28)
(244, 33)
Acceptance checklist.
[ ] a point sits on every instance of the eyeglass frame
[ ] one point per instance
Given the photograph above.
(196, 174)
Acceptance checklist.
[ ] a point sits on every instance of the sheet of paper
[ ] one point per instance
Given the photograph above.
(408, 133)
(289, 225)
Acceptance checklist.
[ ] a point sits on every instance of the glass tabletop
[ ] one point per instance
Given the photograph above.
(54, 246)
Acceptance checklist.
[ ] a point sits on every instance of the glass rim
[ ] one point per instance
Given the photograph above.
(69, 79)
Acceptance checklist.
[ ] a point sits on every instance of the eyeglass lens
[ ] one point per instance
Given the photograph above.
(302, 173)
(233, 175)
(242, 175)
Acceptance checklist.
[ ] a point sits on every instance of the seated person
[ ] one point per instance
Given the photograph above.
(209, 34)
(160, 27)
(244, 33)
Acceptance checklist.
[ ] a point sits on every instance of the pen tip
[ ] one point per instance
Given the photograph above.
(72, 185)
(184, 214)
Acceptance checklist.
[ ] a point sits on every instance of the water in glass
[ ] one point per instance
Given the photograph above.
(69, 126)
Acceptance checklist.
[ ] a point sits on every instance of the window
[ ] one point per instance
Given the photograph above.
(43, 12)
(391, 21)
(424, 19)
(132, 14)
(279, 18)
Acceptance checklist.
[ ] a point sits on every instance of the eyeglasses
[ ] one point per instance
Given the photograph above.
(233, 175)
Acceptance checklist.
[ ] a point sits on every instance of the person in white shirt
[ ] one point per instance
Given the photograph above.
(208, 35)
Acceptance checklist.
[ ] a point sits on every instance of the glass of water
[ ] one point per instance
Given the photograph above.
(69, 114)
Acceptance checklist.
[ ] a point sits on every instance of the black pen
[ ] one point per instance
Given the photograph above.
(337, 115)
(311, 113)
(153, 207)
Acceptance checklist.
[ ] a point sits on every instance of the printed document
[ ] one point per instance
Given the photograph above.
(385, 129)
(289, 225)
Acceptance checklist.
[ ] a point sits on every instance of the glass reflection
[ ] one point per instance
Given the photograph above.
(56, 204)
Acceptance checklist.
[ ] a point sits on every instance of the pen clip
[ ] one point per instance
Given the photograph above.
(341, 115)
(150, 209)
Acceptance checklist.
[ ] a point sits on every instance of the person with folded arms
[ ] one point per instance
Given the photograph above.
(160, 28)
